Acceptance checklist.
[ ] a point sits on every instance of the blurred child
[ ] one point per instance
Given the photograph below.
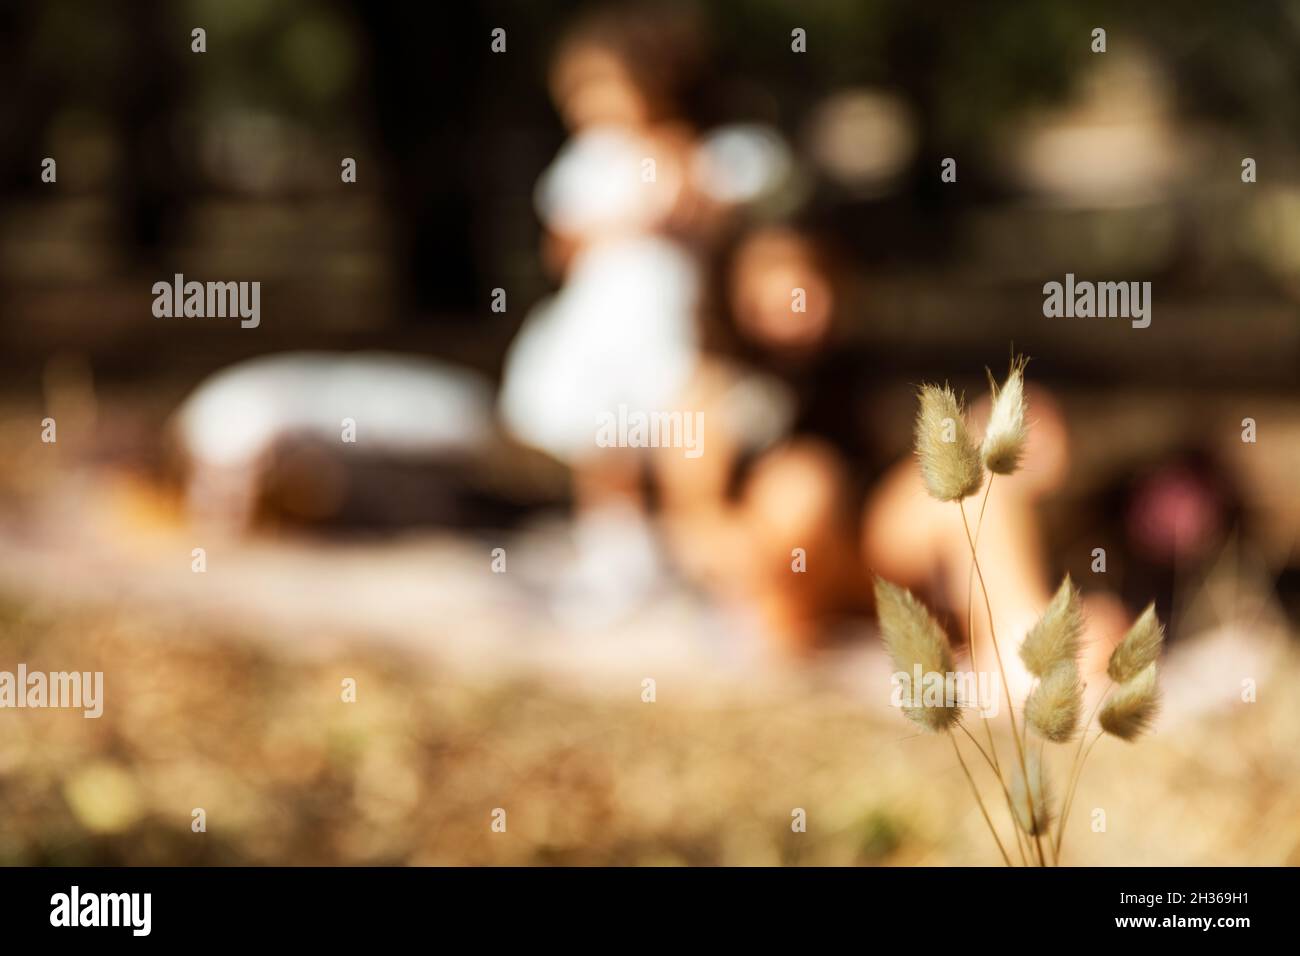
(618, 211)
(766, 518)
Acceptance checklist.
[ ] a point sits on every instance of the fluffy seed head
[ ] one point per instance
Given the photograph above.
(950, 463)
(913, 637)
(1130, 710)
(1139, 648)
(1054, 706)
(1031, 803)
(1055, 638)
(1004, 438)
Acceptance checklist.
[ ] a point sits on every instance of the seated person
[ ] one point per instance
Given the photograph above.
(793, 463)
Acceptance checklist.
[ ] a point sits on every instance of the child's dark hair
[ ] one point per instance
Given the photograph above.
(661, 45)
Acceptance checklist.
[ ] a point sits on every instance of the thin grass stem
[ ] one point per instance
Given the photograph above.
(1060, 831)
(997, 653)
(1020, 844)
(978, 800)
(1076, 768)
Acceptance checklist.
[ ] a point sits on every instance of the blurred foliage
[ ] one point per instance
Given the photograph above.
(450, 139)
(963, 67)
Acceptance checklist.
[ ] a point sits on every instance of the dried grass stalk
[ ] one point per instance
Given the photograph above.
(1055, 638)
(1139, 649)
(1004, 438)
(1130, 710)
(1031, 803)
(950, 462)
(914, 638)
(1055, 705)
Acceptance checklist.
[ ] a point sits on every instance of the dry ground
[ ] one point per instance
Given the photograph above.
(223, 693)
(411, 772)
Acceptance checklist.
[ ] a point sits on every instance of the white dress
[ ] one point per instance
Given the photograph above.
(622, 329)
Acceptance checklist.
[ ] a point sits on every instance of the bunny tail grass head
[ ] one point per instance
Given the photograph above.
(915, 640)
(950, 463)
(1004, 438)
(1055, 638)
(1054, 706)
(1139, 648)
(1129, 711)
(1031, 804)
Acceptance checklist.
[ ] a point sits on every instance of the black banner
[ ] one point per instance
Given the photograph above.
(332, 906)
